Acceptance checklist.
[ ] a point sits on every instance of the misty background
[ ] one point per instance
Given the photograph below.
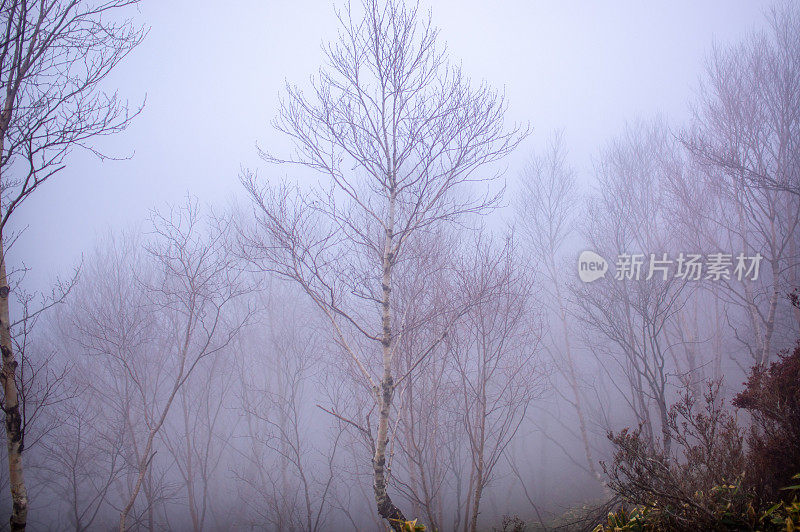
(249, 325)
(212, 77)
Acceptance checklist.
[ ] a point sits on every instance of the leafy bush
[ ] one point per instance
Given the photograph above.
(772, 396)
(634, 520)
(782, 516)
(712, 481)
(408, 526)
(697, 486)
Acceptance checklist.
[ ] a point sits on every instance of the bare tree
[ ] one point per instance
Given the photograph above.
(110, 314)
(748, 116)
(196, 282)
(494, 351)
(288, 471)
(427, 418)
(401, 137)
(178, 314)
(198, 441)
(546, 213)
(745, 137)
(53, 56)
(632, 312)
(84, 459)
(43, 379)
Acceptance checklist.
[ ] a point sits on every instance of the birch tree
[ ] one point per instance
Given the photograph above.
(402, 139)
(54, 54)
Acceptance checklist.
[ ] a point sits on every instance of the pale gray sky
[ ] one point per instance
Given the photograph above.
(212, 77)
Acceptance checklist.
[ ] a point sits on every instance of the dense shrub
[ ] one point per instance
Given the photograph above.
(696, 486)
(782, 516)
(711, 480)
(772, 396)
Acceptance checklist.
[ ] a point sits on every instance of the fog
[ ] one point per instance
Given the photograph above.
(369, 266)
(212, 78)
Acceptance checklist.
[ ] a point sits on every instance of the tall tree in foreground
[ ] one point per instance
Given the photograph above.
(401, 136)
(53, 56)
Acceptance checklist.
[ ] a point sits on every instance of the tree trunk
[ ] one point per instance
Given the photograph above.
(476, 504)
(143, 468)
(189, 471)
(386, 509)
(14, 440)
(479, 451)
(572, 378)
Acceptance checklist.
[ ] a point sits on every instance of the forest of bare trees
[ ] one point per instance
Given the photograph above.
(387, 329)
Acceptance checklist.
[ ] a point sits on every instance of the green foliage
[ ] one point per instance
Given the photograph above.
(637, 519)
(409, 526)
(710, 480)
(784, 515)
(724, 502)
